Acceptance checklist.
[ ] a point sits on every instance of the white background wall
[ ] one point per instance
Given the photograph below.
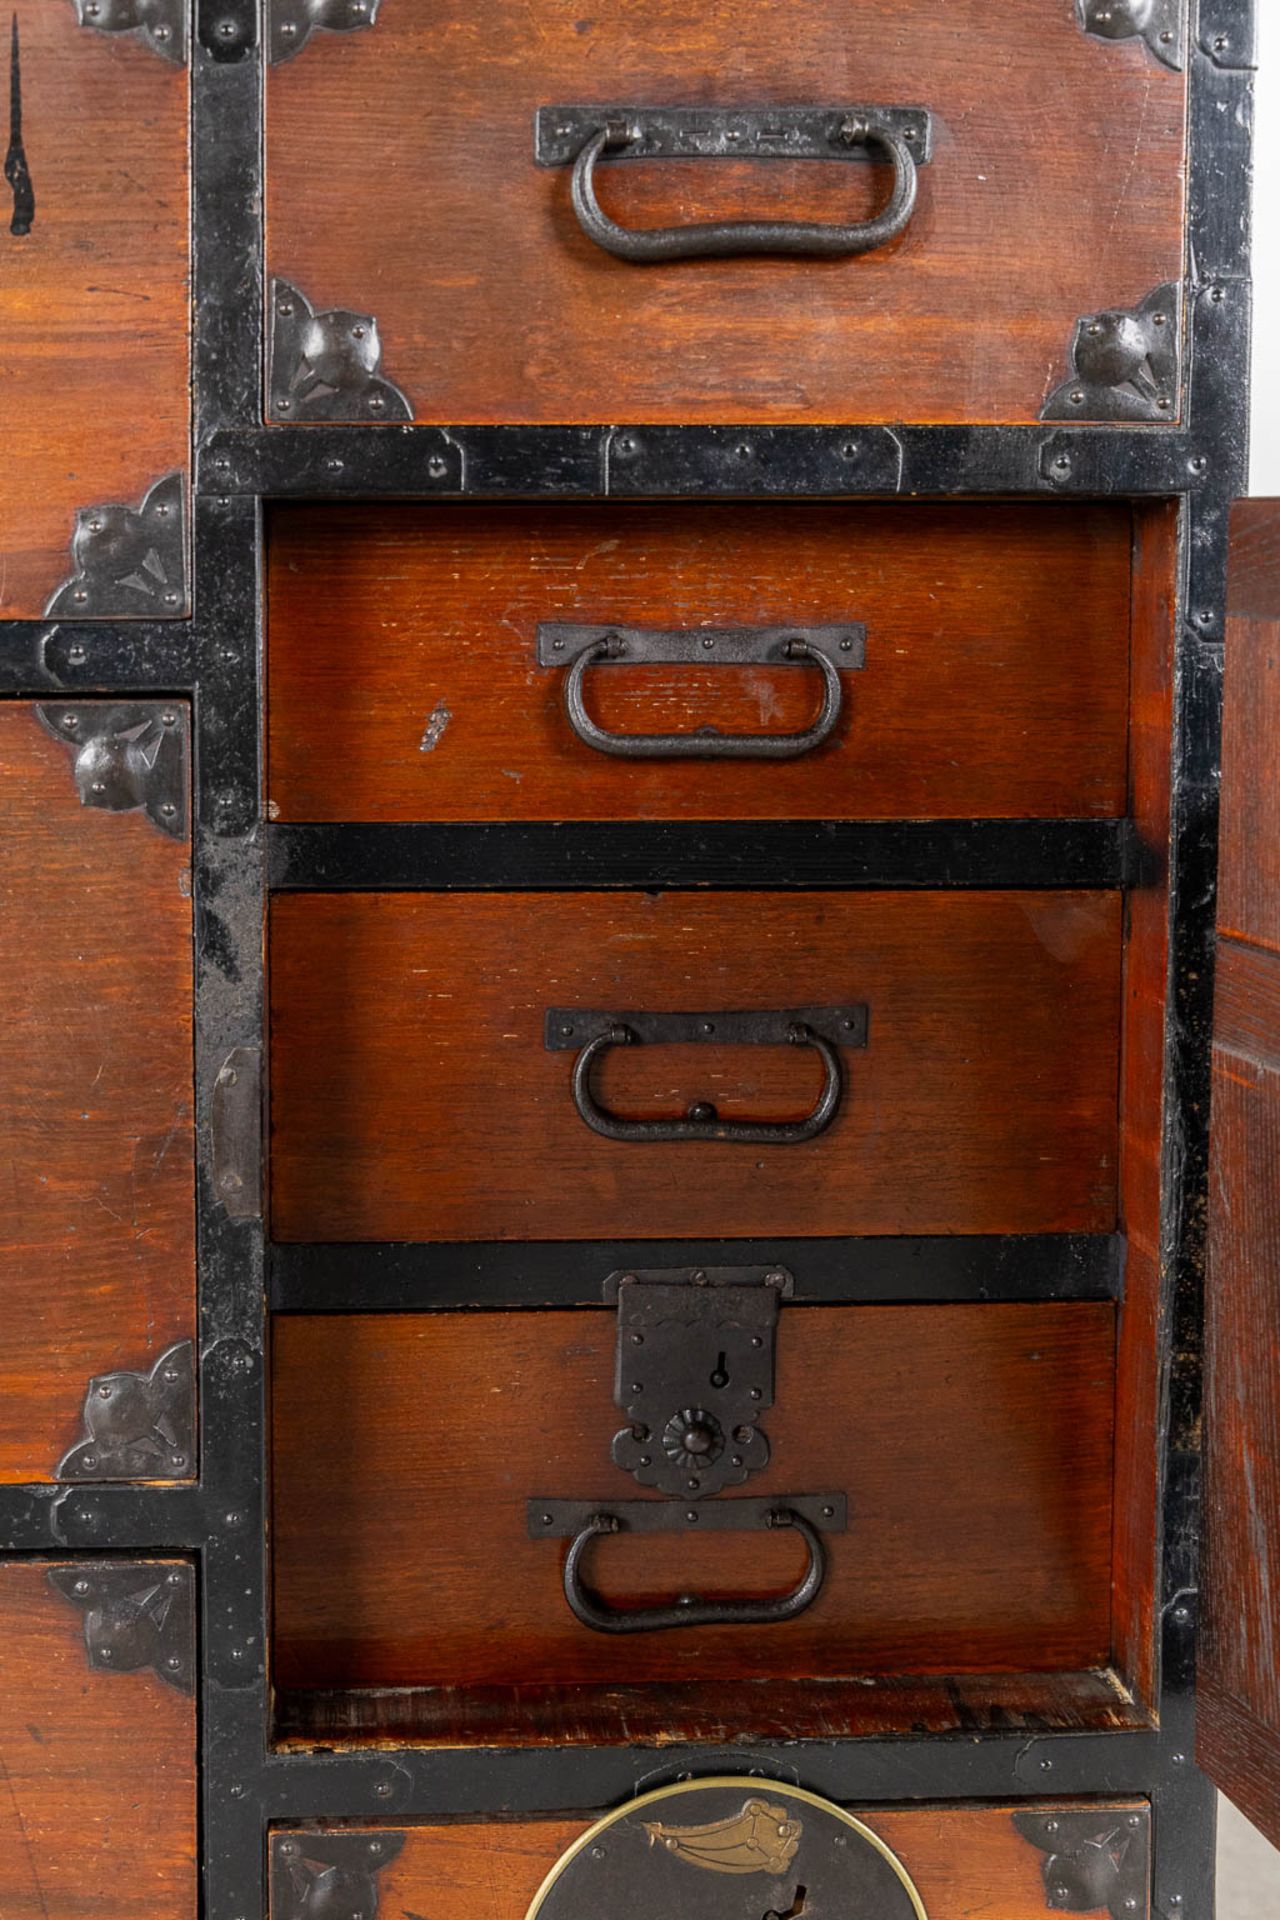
(1264, 474)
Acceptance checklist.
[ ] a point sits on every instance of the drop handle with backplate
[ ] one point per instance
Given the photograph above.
(691, 1611)
(594, 1033)
(829, 649)
(587, 135)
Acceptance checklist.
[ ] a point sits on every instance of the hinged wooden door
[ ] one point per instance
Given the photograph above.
(1239, 1697)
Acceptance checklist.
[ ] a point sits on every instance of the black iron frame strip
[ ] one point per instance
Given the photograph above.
(217, 655)
(759, 855)
(496, 1276)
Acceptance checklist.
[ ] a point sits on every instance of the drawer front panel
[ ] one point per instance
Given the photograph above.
(99, 1808)
(97, 1248)
(94, 315)
(960, 1860)
(492, 303)
(973, 1444)
(995, 678)
(414, 1098)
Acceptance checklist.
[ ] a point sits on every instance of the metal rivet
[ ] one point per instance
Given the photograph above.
(735, 1460)
(1134, 1820)
(1062, 464)
(693, 1483)
(333, 466)
(90, 1461)
(1204, 618)
(1051, 1826)
(1046, 1766)
(691, 1515)
(80, 596)
(707, 641)
(174, 1580)
(743, 1436)
(1077, 398)
(1198, 463)
(707, 1027)
(104, 1393)
(828, 1513)
(755, 1393)
(1061, 1895)
(228, 1077)
(637, 1339)
(171, 599)
(232, 1519)
(227, 29)
(1159, 319)
(383, 1789)
(168, 809)
(744, 450)
(597, 1853)
(377, 404)
(236, 1791)
(637, 1386)
(1217, 296)
(646, 1460)
(1164, 402)
(283, 405)
(285, 307)
(288, 1848)
(168, 718)
(77, 654)
(1182, 1613)
(1166, 38)
(437, 467)
(177, 1461)
(626, 445)
(756, 1341)
(173, 1663)
(82, 1586)
(1178, 1759)
(1220, 43)
(849, 451)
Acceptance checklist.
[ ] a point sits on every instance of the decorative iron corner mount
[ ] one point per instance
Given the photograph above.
(127, 757)
(315, 1874)
(1093, 1862)
(1125, 363)
(291, 23)
(1156, 22)
(138, 1426)
(327, 365)
(136, 1615)
(129, 561)
(159, 24)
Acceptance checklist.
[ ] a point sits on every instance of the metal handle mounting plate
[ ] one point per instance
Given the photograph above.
(720, 133)
(569, 1028)
(565, 1519)
(561, 641)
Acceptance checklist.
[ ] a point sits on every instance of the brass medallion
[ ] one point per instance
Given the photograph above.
(727, 1849)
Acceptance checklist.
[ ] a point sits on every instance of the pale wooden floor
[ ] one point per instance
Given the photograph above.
(1248, 1870)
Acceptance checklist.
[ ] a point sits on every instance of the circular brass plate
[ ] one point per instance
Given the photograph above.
(729, 1848)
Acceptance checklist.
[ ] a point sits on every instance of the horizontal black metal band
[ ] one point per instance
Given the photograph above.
(790, 854)
(408, 1277)
(526, 462)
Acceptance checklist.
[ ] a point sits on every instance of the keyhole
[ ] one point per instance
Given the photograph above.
(796, 1907)
(720, 1378)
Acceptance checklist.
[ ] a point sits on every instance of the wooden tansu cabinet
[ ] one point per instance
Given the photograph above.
(635, 1280)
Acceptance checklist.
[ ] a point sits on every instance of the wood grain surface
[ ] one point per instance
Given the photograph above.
(963, 1861)
(94, 300)
(97, 1772)
(97, 1228)
(1056, 189)
(974, 1443)
(1238, 1702)
(403, 639)
(413, 1097)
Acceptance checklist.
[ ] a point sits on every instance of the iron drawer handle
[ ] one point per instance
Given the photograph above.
(707, 743)
(720, 237)
(702, 1122)
(602, 1618)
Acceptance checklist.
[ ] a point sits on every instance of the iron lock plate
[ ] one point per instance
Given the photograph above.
(720, 133)
(561, 641)
(728, 1849)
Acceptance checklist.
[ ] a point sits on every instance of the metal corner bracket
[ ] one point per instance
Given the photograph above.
(1094, 1862)
(138, 1426)
(316, 1874)
(1125, 363)
(326, 365)
(1160, 24)
(291, 23)
(136, 1616)
(129, 561)
(128, 757)
(159, 24)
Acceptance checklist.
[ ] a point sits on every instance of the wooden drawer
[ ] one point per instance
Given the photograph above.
(94, 313)
(97, 1740)
(97, 1225)
(995, 680)
(945, 1862)
(414, 1096)
(476, 295)
(973, 1445)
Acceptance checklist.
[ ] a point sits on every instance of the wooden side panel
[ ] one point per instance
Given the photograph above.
(1239, 1713)
(974, 1444)
(94, 299)
(1138, 1383)
(962, 1860)
(97, 1252)
(413, 1097)
(403, 647)
(492, 305)
(97, 1772)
